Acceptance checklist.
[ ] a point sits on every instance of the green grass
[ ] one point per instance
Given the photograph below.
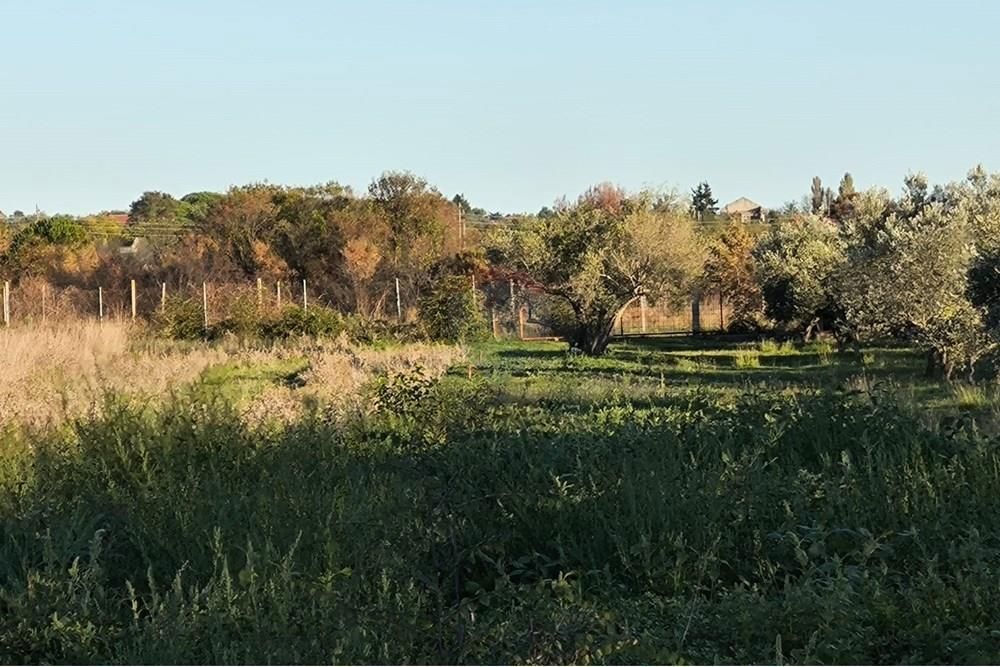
(235, 383)
(661, 504)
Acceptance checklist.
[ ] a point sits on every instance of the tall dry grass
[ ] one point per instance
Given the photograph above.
(338, 373)
(56, 372)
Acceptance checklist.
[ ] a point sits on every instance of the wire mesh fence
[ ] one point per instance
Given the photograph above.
(509, 310)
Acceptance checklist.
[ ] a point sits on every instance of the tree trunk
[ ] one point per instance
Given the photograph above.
(593, 337)
(939, 365)
(598, 339)
(808, 335)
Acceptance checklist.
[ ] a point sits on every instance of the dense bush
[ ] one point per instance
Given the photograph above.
(181, 319)
(316, 321)
(450, 311)
(448, 527)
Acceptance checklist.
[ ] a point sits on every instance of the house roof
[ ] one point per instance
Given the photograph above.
(741, 205)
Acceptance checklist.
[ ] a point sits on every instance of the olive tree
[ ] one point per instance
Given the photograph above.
(978, 198)
(795, 261)
(595, 260)
(907, 275)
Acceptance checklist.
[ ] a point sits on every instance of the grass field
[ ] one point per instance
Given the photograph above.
(679, 500)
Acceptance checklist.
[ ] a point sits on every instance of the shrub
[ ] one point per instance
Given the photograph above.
(181, 319)
(375, 332)
(292, 321)
(450, 312)
(243, 319)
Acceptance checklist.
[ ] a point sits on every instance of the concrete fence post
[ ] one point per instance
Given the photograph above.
(6, 303)
(204, 303)
(399, 303)
(132, 295)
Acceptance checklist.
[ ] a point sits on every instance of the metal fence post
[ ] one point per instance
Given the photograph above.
(6, 303)
(204, 302)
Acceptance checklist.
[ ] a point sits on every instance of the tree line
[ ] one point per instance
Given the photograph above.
(921, 266)
(351, 248)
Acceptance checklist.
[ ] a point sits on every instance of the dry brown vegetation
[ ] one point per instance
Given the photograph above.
(64, 370)
(337, 375)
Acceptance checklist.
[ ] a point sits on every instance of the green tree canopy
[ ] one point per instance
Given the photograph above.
(159, 207)
(795, 261)
(596, 260)
(907, 274)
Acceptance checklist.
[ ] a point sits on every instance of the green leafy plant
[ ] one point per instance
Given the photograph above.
(450, 311)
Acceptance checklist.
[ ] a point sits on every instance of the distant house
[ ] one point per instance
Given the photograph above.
(744, 210)
(120, 218)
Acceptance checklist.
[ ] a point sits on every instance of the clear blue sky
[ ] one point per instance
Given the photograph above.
(513, 103)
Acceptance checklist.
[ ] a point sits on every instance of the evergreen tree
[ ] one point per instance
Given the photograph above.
(461, 202)
(702, 201)
(818, 196)
(843, 205)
